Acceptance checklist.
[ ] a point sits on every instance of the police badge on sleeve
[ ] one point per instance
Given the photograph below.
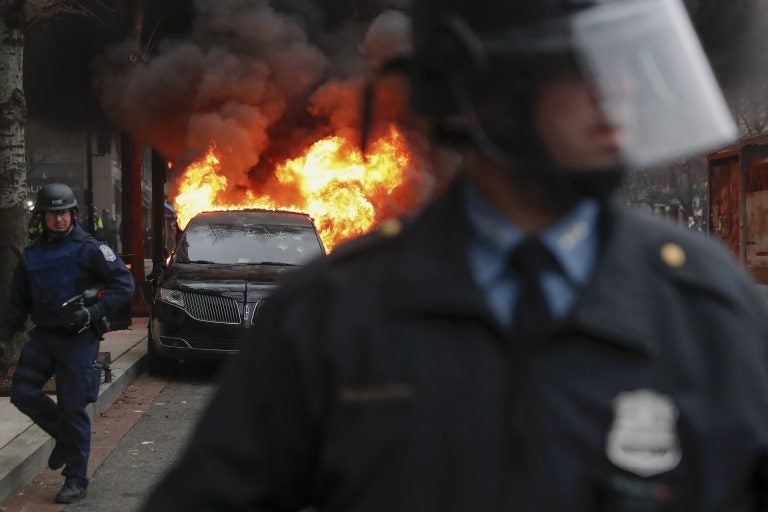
(643, 436)
(106, 250)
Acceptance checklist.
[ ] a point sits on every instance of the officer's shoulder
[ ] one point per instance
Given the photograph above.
(94, 245)
(689, 258)
(82, 236)
(88, 240)
(376, 244)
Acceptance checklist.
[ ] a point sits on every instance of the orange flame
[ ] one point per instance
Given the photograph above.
(332, 182)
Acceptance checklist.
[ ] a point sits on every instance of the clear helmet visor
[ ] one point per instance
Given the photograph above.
(653, 81)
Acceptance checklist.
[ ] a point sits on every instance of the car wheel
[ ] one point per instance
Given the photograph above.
(156, 363)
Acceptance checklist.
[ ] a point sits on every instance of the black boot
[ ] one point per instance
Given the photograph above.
(58, 456)
(73, 490)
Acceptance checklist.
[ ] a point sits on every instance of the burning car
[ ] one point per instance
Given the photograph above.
(218, 276)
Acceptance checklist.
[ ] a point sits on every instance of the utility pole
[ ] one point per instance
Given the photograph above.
(159, 170)
(90, 225)
(132, 222)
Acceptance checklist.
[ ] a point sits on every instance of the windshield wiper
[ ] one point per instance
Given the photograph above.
(199, 262)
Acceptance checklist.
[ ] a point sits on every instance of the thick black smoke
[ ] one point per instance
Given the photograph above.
(259, 80)
(235, 75)
(262, 80)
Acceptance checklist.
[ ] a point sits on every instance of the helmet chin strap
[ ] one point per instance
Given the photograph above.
(564, 187)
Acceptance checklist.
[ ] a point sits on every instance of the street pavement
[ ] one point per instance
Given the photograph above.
(122, 482)
(24, 447)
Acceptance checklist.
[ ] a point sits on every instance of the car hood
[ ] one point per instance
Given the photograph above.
(233, 281)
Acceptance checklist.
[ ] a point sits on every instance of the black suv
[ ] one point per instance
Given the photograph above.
(218, 276)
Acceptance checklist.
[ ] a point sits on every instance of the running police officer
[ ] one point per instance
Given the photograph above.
(60, 264)
(526, 342)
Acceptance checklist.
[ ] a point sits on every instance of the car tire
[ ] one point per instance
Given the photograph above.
(157, 364)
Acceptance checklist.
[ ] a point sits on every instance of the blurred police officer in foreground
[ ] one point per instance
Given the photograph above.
(62, 263)
(526, 343)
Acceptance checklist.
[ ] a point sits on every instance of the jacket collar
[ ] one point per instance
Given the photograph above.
(619, 303)
(433, 277)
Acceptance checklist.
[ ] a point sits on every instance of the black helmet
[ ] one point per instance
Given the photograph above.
(484, 43)
(55, 197)
(477, 68)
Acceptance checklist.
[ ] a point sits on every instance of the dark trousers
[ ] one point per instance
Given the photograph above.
(72, 360)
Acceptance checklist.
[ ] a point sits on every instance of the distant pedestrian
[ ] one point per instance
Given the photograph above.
(147, 241)
(98, 224)
(110, 229)
(34, 226)
(172, 229)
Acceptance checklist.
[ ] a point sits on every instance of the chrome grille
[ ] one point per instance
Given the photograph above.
(212, 308)
(257, 308)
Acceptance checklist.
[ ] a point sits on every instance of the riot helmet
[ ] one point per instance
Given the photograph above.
(54, 197)
(641, 58)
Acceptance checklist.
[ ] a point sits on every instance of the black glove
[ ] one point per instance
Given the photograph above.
(81, 319)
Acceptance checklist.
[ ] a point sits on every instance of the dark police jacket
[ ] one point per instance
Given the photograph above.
(378, 380)
(55, 270)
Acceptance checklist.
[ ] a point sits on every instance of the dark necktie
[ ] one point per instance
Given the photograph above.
(529, 260)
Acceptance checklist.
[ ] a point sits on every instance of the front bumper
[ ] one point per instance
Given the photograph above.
(176, 334)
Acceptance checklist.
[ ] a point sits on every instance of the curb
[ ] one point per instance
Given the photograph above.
(125, 370)
(33, 446)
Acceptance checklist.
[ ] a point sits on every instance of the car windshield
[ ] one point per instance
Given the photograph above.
(254, 244)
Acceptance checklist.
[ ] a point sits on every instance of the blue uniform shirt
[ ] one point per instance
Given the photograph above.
(572, 240)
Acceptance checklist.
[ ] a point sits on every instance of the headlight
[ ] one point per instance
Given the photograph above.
(174, 297)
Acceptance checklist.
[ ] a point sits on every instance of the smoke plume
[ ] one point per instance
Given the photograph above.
(253, 82)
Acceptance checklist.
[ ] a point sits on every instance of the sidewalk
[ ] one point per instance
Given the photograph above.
(24, 447)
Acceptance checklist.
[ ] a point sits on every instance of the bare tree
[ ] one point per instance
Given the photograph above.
(679, 186)
(13, 176)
